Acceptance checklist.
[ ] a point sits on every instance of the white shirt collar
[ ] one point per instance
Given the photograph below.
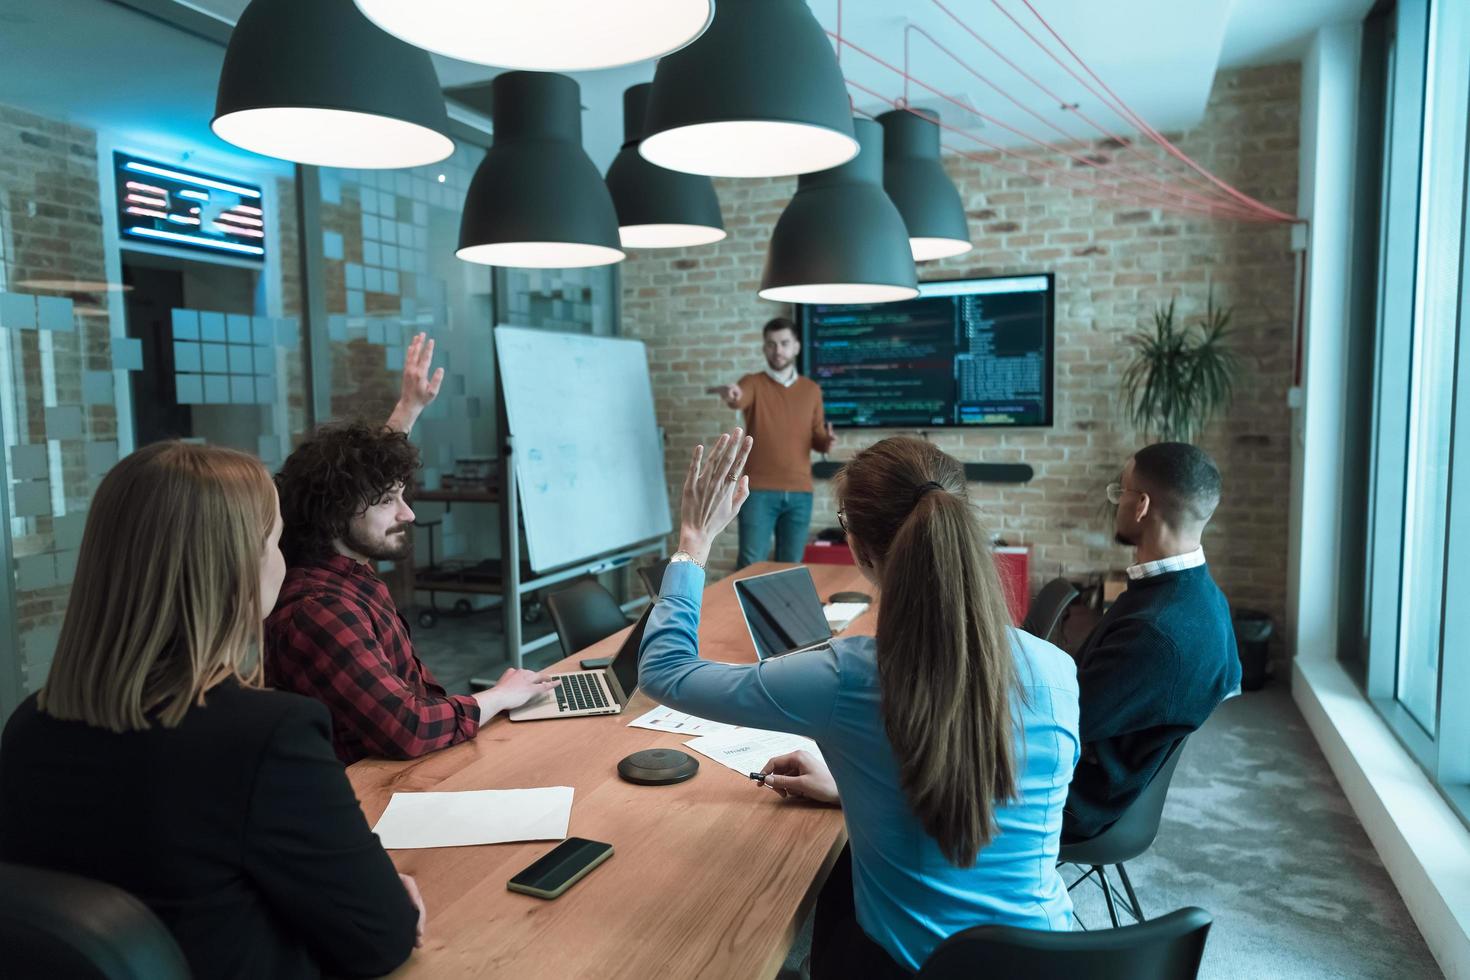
(1173, 563)
(783, 382)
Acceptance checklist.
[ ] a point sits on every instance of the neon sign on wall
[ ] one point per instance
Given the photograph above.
(165, 205)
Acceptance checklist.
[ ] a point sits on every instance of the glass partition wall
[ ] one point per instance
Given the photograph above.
(158, 283)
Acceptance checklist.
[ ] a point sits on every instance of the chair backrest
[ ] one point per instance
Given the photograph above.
(1135, 830)
(1046, 611)
(1167, 948)
(653, 576)
(584, 614)
(60, 925)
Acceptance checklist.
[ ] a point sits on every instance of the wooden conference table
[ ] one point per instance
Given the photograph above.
(709, 878)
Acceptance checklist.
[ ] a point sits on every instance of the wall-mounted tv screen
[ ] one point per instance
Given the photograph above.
(967, 352)
(162, 204)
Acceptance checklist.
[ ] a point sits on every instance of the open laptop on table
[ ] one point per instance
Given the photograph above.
(783, 612)
(591, 692)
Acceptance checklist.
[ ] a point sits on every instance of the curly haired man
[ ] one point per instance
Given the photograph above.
(335, 634)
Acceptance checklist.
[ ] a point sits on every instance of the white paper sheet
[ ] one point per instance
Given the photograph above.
(663, 719)
(747, 750)
(840, 614)
(486, 816)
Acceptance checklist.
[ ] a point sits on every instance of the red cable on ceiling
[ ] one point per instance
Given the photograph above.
(1225, 207)
(1112, 190)
(1091, 161)
(1125, 111)
(1127, 143)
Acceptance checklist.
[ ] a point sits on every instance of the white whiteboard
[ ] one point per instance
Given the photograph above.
(588, 458)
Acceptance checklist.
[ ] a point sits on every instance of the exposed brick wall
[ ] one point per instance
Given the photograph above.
(1114, 261)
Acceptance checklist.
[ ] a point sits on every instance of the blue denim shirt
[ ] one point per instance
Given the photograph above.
(909, 898)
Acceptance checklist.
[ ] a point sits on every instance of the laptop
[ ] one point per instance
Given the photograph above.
(783, 612)
(591, 692)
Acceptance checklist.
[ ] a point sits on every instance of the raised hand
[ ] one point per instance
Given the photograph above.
(714, 489)
(419, 388)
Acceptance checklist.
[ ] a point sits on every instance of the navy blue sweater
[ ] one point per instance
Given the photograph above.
(1151, 672)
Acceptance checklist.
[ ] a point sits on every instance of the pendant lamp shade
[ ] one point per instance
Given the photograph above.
(317, 83)
(658, 208)
(841, 240)
(544, 35)
(918, 186)
(537, 201)
(758, 95)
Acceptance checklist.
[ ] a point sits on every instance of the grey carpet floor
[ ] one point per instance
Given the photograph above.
(1256, 831)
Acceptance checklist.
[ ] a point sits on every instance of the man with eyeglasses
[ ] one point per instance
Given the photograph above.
(1164, 655)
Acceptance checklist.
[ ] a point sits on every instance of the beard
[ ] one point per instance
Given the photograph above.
(395, 545)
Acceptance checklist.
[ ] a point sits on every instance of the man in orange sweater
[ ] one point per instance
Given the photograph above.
(783, 412)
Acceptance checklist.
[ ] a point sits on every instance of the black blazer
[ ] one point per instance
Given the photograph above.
(238, 828)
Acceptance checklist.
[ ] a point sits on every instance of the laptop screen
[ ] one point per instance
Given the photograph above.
(783, 611)
(625, 664)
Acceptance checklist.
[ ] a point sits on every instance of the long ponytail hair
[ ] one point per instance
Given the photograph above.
(945, 667)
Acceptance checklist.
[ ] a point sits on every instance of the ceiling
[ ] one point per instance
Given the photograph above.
(103, 64)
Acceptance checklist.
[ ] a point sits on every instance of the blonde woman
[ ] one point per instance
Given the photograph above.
(153, 760)
(950, 737)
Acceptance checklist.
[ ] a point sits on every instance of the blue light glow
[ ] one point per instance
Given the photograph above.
(219, 185)
(193, 195)
(173, 236)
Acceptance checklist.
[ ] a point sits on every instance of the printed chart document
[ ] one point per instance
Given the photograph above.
(747, 750)
(486, 816)
(663, 719)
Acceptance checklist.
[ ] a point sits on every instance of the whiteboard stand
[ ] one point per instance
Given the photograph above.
(512, 586)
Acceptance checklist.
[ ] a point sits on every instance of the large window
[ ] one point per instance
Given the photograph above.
(1418, 519)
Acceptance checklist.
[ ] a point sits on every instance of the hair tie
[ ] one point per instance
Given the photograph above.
(919, 494)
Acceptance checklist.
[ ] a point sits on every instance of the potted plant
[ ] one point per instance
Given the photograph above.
(1181, 374)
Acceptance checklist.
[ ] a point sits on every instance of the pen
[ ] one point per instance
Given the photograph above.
(759, 777)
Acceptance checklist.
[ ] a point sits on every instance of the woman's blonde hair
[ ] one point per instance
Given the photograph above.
(946, 672)
(166, 601)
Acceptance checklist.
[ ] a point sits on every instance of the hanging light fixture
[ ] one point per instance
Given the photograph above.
(658, 208)
(537, 201)
(918, 186)
(841, 240)
(544, 35)
(317, 83)
(758, 95)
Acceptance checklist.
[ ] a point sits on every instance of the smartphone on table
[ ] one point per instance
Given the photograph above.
(560, 868)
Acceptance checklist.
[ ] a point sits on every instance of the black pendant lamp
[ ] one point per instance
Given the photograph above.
(544, 35)
(841, 240)
(758, 95)
(918, 186)
(317, 83)
(537, 201)
(658, 208)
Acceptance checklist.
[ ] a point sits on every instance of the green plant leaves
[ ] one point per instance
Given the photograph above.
(1181, 375)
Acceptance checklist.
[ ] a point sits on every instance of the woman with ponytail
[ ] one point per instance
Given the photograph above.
(950, 736)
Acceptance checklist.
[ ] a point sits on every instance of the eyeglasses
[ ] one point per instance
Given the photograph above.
(1116, 491)
(842, 520)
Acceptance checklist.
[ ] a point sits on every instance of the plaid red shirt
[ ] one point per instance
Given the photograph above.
(336, 636)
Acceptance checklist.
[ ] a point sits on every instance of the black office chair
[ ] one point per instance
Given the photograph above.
(653, 576)
(1046, 611)
(1167, 948)
(61, 925)
(584, 614)
(1130, 836)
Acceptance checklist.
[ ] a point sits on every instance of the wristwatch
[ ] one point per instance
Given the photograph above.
(685, 556)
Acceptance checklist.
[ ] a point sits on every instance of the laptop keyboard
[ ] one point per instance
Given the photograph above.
(579, 691)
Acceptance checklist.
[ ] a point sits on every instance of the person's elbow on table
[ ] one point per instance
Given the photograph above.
(801, 774)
